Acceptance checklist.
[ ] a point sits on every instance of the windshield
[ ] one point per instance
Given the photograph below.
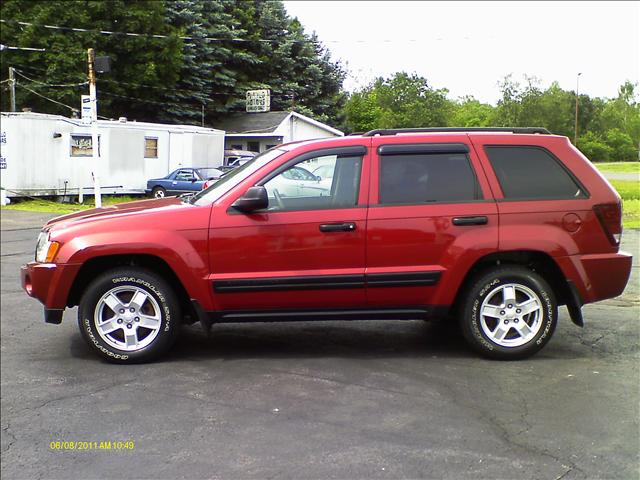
(234, 177)
(206, 173)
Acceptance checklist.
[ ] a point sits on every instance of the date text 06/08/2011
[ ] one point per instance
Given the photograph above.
(91, 445)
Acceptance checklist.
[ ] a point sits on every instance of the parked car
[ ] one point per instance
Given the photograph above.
(496, 228)
(232, 156)
(297, 182)
(182, 180)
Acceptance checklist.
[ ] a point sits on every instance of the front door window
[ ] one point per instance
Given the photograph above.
(303, 187)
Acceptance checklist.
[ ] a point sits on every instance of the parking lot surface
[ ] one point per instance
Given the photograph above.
(326, 400)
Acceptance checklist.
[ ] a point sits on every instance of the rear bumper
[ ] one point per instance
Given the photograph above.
(50, 283)
(597, 276)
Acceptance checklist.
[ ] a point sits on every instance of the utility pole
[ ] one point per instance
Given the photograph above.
(12, 91)
(94, 127)
(575, 132)
(203, 114)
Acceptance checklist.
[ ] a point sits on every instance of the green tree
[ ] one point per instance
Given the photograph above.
(469, 112)
(401, 101)
(142, 60)
(232, 46)
(292, 64)
(213, 57)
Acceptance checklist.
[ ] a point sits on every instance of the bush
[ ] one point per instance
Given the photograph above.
(595, 148)
(623, 148)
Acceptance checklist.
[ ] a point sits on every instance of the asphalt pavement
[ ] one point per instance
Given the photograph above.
(326, 400)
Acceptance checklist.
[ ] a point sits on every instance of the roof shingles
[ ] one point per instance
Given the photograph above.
(265, 122)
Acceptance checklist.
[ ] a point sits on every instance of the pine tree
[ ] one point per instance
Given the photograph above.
(140, 65)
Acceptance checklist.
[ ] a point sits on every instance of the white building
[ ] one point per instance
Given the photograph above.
(258, 132)
(44, 154)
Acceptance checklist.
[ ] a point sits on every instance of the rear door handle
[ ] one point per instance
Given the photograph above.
(463, 221)
(338, 227)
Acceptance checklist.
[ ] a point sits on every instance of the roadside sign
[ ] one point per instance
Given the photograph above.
(86, 109)
(258, 100)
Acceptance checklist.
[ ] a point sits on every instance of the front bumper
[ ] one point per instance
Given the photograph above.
(50, 283)
(597, 276)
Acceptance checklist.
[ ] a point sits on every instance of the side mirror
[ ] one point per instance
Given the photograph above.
(254, 199)
(318, 178)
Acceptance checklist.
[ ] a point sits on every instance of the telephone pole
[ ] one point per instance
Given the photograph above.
(94, 127)
(12, 91)
(575, 132)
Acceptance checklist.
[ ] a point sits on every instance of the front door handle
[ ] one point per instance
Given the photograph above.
(338, 227)
(463, 221)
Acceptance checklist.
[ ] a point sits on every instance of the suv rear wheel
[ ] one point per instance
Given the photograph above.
(129, 315)
(509, 313)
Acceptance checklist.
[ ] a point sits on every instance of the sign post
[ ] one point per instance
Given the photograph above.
(93, 100)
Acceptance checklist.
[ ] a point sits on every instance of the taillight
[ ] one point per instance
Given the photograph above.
(610, 216)
(205, 185)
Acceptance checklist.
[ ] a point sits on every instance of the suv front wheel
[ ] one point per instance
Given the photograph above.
(509, 313)
(129, 315)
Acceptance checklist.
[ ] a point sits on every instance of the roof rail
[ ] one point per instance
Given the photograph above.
(395, 131)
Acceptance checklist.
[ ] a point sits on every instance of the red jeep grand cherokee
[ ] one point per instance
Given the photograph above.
(499, 226)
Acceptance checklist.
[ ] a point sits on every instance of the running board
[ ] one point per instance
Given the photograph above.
(418, 313)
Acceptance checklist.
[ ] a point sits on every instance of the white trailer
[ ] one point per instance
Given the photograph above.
(44, 154)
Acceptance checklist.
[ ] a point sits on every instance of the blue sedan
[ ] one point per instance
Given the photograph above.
(182, 180)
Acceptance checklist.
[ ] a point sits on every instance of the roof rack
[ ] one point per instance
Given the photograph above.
(395, 131)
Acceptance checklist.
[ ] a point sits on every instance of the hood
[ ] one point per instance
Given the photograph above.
(115, 210)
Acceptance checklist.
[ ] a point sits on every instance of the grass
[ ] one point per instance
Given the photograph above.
(631, 213)
(629, 190)
(41, 205)
(619, 167)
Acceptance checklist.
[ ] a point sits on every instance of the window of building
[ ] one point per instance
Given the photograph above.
(528, 172)
(81, 145)
(427, 178)
(237, 146)
(150, 147)
(253, 146)
(297, 188)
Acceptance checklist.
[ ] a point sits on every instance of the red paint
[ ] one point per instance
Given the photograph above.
(202, 244)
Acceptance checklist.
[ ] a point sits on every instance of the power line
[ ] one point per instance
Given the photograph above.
(151, 102)
(142, 85)
(47, 98)
(218, 39)
(149, 35)
(49, 84)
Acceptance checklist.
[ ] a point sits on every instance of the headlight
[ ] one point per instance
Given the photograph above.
(46, 250)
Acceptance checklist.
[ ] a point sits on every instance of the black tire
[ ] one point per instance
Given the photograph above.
(159, 308)
(483, 332)
(158, 192)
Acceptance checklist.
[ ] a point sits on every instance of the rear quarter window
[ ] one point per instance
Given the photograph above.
(532, 173)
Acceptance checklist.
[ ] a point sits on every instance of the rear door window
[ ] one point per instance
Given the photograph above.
(532, 173)
(417, 178)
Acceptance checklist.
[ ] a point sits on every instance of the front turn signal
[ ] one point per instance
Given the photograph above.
(52, 252)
